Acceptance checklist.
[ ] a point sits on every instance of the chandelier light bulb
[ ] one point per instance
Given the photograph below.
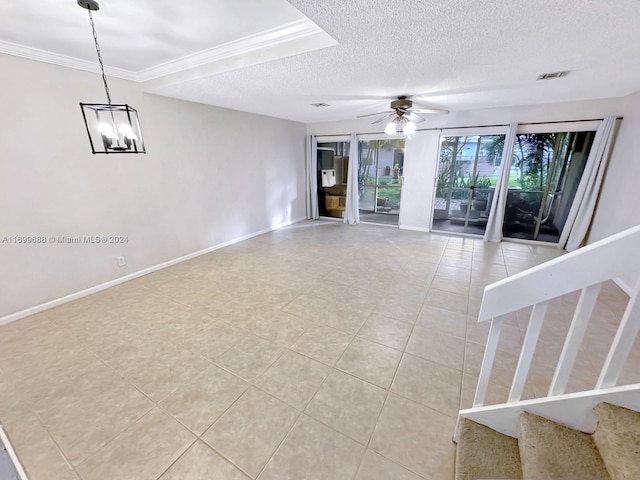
(125, 129)
(106, 130)
(127, 132)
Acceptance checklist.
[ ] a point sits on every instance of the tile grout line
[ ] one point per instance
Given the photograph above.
(177, 459)
(388, 391)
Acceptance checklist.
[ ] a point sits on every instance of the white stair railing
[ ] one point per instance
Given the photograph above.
(585, 270)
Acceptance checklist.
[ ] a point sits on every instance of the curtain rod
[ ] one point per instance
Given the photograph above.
(474, 126)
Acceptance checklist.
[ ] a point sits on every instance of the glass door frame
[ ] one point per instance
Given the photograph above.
(460, 132)
(541, 128)
(376, 186)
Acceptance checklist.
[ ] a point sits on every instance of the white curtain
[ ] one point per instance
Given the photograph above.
(493, 233)
(352, 209)
(584, 203)
(312, 177)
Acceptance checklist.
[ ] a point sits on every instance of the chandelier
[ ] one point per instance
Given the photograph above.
(112, 128)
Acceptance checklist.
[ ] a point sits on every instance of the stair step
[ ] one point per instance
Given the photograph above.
(485, 453)
(618, 439)
(550, 450)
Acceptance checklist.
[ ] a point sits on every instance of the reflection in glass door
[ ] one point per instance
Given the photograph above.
(545, 172)
(333, 162)
(468, 170)
(380, 176)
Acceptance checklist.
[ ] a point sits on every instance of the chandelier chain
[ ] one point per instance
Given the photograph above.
(95, 39)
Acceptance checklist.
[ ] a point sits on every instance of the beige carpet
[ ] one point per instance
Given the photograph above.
(618, 439)
(547, 450)
(551, 450)
(485, 453)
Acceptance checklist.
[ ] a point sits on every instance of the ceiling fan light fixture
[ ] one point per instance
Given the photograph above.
(112, 128)
(409, 128)
(391, 127)
(400, 125)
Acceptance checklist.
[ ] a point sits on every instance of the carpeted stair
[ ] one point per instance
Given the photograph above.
(548, 450)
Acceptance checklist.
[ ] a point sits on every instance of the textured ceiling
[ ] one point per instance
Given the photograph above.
(454, 54)
(457, 54)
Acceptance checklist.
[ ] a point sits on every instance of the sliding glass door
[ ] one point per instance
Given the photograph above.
(546, 169)
(545, 173)
(380, 176)
(467, 174)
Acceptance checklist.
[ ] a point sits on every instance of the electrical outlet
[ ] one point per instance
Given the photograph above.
(121, 261)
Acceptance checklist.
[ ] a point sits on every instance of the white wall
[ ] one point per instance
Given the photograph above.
(210, 175)
(421, 153)
(420, 164)
(619, 203)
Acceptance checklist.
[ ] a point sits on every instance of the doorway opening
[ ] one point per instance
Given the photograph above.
(333, 162)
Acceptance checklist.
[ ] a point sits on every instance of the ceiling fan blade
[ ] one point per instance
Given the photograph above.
(372, 114)
(415, 118)
(430, 110)
(382, 119)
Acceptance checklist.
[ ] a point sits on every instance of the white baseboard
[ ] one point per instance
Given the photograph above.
(12, 455)
(415, 229)
(112, 283)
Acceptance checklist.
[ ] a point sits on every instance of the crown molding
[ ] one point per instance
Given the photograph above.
(63, 60)
(267, 38)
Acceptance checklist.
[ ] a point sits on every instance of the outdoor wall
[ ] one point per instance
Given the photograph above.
(619, 199)
(210, 176)
(421, 150)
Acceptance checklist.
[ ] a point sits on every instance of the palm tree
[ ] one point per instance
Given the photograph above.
(532, 152)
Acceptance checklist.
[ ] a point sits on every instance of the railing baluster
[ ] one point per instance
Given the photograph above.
(622, 343)
(487, 361)
(581, 317)
(528, 349)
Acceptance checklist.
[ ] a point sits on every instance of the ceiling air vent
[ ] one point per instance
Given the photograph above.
(319, 105)
(551, 76)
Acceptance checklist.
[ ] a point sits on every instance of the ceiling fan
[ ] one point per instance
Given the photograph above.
(403, 116)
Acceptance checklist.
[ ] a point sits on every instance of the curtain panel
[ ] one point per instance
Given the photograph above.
(581, 213)
(352, 208)
(493, 233)
(312, 177)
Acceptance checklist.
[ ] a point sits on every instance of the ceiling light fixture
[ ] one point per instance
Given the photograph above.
(400, 125)
(112, 128)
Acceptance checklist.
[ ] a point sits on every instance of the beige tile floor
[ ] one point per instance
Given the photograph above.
(313, 352)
